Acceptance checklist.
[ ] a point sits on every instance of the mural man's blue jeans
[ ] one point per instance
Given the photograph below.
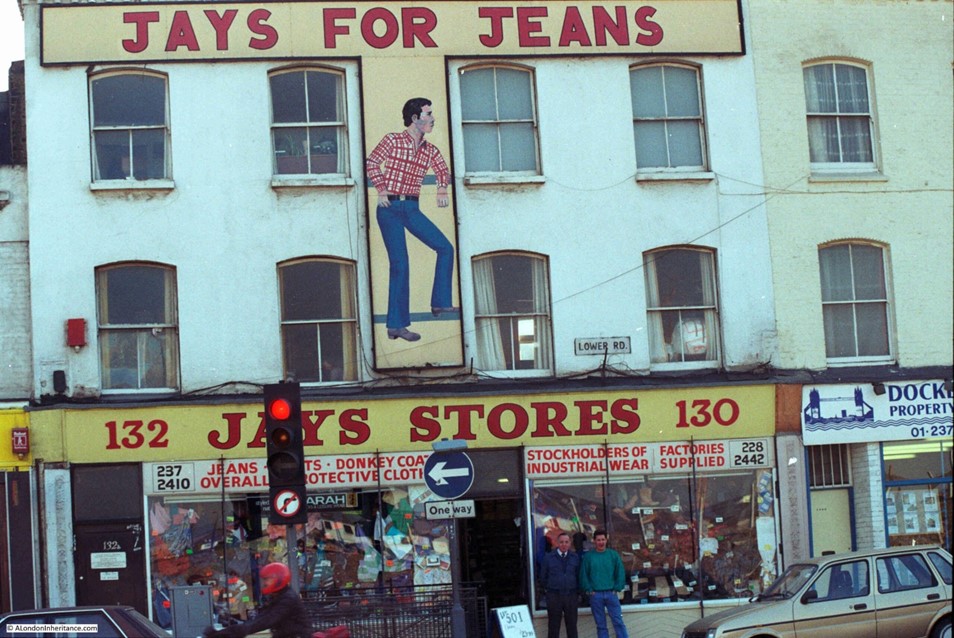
(393, 221)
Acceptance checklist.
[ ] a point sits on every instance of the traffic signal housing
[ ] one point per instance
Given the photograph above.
(284, 448)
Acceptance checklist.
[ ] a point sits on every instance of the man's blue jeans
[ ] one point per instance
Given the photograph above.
(603, 603)
(393, 220)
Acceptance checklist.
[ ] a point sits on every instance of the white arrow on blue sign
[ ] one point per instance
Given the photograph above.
(449, 474)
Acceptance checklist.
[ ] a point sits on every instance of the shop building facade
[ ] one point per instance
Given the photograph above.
(861, 174)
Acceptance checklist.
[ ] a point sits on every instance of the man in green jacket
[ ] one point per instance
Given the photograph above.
(602, 576)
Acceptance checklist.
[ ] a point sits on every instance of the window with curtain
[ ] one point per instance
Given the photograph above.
(137, 323)
(854, 301)
(499, 120)
(129, 126)
(681, 305)
(512, 312)
(309, 132)
(319, 321)
(667, 117)
(840, 120)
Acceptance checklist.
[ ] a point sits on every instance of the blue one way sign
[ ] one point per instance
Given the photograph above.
(449, 474)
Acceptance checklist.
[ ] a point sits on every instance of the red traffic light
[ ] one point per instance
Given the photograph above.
(279, 409)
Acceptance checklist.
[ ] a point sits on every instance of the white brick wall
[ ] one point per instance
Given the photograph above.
(15, 344)
(868, 494)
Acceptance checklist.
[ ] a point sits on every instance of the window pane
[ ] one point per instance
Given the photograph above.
(336, 348)
(852, 88)
(646, 88)
(651, 144)
(477, 95)
(835, 263)
(301, 350)
(158, 358)
(129, 100)
(855, 139)
(517, 147)
(685, 145)
(514, 95)
(119, 359)
(149, 154)
(513, 283)
(869, 271)
(312, 291)
(291, 145)
(820, 89)
(481, 148)
(112, 154)
(682, 92)
(136, 295)
(915, 460)
(839, 330)
(288, 97)
(872, 329)
(679, 277)
(323, 92)
(823, 139)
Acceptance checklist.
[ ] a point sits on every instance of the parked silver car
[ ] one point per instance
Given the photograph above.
(900, 592)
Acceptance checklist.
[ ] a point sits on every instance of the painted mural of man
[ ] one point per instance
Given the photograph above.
(406, 158)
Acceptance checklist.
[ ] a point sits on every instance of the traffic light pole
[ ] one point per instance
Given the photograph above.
(458, 618)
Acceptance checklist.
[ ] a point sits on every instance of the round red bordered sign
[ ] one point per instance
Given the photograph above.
(286, 503)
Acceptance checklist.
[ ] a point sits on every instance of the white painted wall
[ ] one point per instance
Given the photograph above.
(909, 47)
(16, 361)
(224, 227)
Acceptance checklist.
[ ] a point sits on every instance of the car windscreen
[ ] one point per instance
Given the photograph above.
(790, 582)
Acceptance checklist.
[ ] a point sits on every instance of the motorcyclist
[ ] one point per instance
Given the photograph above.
(283, 613)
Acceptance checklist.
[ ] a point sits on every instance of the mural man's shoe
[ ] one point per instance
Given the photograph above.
(403, 333)
(436, 311)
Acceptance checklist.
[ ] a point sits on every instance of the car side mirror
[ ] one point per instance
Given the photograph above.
(810, 595)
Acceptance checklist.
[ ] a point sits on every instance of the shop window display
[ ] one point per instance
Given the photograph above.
(653, 523)
(917, 501)
(385, 542)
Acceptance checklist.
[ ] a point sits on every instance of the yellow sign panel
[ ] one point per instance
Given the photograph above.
(221, 30)
(164, 433)
(11, 421)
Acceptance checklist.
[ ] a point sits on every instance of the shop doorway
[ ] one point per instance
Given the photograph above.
(831, 521)
(110, 565)
(492, 551)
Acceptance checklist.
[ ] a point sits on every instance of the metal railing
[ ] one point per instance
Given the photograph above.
(422, 611)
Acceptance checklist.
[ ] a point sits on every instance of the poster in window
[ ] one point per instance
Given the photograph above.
(912, 524)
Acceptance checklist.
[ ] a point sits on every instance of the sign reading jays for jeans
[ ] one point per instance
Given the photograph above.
(403, 48)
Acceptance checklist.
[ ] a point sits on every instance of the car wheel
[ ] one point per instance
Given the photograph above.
(942, 629)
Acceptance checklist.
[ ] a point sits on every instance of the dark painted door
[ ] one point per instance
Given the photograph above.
(110, 565)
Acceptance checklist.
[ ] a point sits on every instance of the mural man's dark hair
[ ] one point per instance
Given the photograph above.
(413, 107)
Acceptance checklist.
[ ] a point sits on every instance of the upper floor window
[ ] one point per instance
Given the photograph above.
(130, 126)
(854, 301)
(319, 322)
(512, 312)
(840, 120)
(667, 117)
(499, 120)
(309, 132)
(138, 340)
(681, 304)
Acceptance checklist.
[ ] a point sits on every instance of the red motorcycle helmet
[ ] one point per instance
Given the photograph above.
(274, 577)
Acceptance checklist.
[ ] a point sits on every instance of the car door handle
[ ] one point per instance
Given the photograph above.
(859, 606)
(933, 596)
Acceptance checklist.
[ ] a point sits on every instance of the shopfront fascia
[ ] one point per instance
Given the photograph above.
(652, 466)
(905, 430)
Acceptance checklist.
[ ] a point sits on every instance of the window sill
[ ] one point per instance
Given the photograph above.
(503, 179)
(132, 185)
(835, 176)
(859, 361)
(683, 366)
(312, 181)
(676, 176)
(515, 374)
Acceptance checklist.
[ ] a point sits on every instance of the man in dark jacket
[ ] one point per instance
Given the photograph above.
(559, 574)
(284, 613)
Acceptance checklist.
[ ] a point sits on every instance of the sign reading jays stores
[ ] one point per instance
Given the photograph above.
(408, 44)
(201, 31)
(356, 426)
